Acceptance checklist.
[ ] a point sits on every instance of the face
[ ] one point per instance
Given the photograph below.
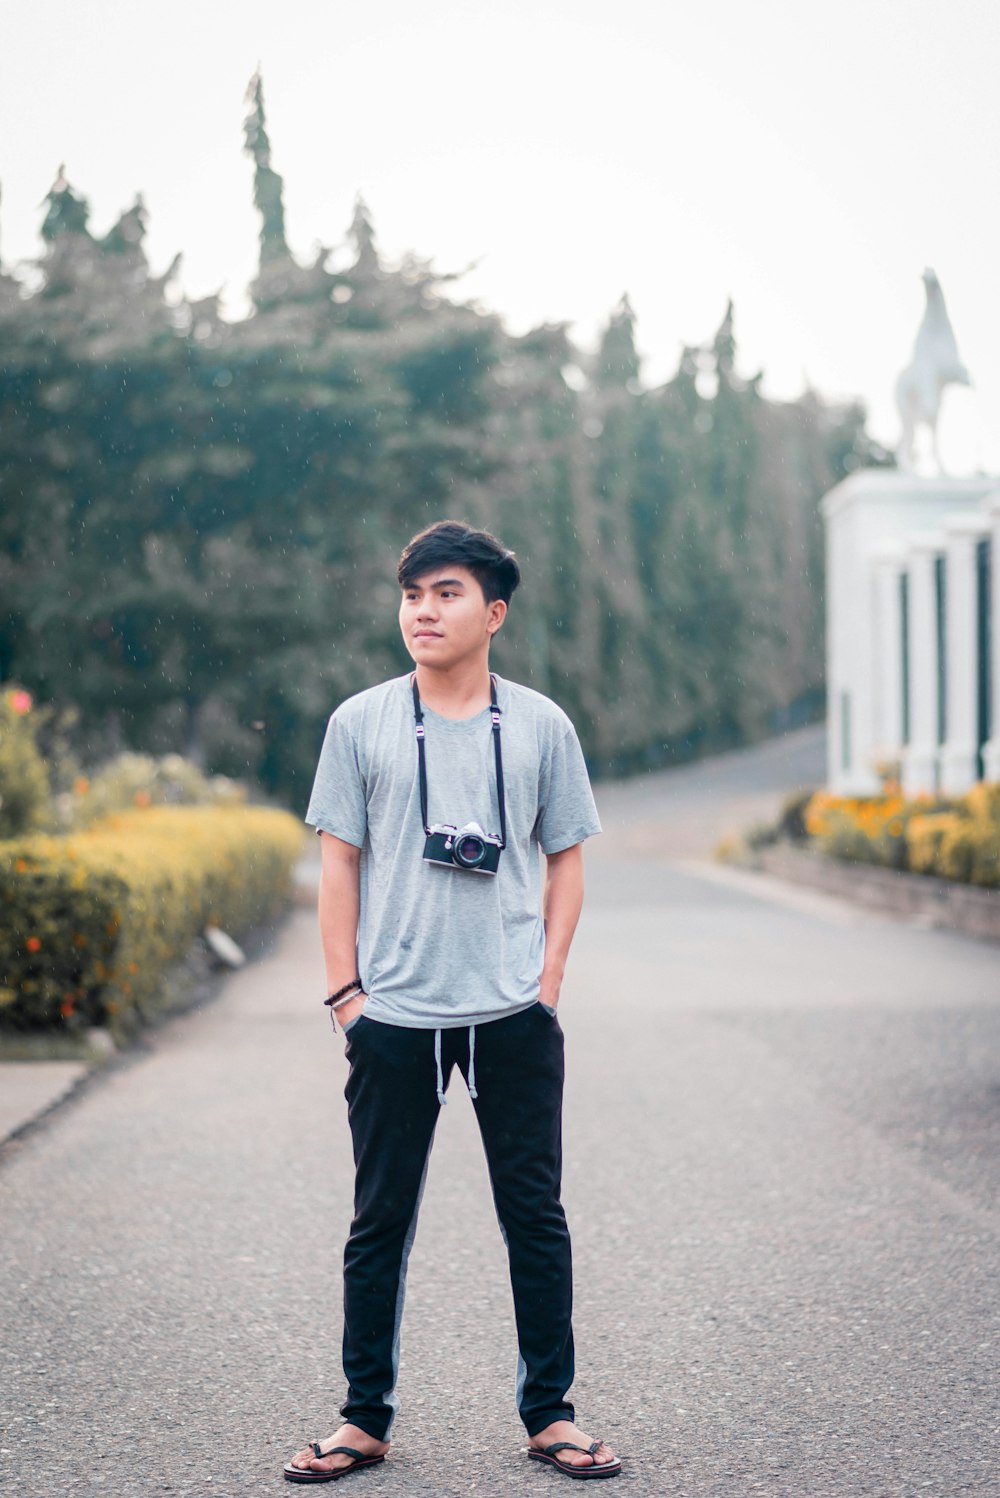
(445, 619)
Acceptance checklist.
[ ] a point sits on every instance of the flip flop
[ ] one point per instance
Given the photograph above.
(307, 1474)
(596, 1469)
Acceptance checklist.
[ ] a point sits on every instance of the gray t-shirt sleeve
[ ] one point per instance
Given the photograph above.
(566, 810)
(337, 803)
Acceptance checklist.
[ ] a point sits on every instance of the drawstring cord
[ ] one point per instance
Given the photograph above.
(440, 1072)
(472, 1062)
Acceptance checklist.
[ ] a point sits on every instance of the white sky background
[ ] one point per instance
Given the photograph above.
(807, 160)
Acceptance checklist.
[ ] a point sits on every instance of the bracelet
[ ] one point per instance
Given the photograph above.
(355, 990)
(341, 1002)
(354, 983)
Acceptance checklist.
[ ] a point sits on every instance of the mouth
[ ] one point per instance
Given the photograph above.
(426, 634)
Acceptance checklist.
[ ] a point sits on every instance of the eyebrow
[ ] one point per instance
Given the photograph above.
(439, 582)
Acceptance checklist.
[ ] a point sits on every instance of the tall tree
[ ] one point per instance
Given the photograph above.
(199, 518)
(268, 186)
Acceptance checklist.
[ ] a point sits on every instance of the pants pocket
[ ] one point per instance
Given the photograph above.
(548, 1009)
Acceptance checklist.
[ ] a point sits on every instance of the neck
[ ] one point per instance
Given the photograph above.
(458, 692)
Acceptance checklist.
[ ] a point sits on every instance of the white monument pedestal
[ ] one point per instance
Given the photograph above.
(991, 749)
(904, 630)
(960, 752)
(920, 753)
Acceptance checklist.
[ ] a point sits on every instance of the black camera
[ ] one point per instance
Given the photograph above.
(467, 847)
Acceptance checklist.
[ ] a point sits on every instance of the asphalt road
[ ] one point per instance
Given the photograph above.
(782, 1129)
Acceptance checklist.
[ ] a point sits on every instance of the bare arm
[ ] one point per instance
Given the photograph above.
(562, 905)
(339, 908)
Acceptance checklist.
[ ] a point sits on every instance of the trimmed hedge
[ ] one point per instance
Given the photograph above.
(90, 922)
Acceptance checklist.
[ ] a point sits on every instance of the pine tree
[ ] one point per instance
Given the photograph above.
(362, 236)
(190, 509)
(126, 236)
(617, 363)
(66, 213)
(267, 184)
(724, 346)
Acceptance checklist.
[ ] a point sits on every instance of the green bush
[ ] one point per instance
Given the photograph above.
(89, 923)
(24, 780)
(843, 838)
(131, 780)
(792, 817)
(760, 835)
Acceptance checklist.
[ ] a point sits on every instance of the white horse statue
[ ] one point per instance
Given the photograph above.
(934, 365)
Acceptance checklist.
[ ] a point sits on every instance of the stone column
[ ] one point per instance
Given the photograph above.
(959, 770)
(991, 750)
(887, 657)
(920, 756)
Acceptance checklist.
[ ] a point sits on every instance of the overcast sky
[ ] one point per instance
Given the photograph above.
(807, 160)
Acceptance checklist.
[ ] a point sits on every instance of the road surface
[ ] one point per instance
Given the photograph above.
(782, 1130)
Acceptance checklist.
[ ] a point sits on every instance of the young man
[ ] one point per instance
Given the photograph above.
(433, 796)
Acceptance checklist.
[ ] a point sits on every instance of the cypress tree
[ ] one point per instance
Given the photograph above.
(267, 184)
(66, 213)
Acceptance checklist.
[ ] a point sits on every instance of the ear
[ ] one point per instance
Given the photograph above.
(495, 615)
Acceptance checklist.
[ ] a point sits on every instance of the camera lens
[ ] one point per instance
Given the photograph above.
(470, 851)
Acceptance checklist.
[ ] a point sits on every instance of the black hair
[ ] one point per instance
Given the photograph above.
(452, 541)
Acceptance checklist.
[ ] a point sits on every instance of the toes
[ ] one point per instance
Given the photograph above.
(600, 1456)
(328, 1463)
(308, 1461)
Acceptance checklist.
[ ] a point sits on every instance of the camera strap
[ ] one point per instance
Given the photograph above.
(422, 761)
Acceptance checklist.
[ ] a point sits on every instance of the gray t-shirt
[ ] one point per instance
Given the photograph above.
(442, 946)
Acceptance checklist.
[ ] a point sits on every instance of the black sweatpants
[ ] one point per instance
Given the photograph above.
(392, 1096)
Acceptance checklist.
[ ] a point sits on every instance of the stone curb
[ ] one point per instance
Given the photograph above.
(30, 1089)
(938, 902)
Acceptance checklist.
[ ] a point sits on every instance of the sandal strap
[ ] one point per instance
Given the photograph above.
(358, 1456)
(590, 1451)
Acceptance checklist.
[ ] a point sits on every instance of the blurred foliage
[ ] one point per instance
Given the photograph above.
(90, 923)
(42, 787)
(199, 520)
(955, 837)
(791, 824)
(131, 779)
(24, 780)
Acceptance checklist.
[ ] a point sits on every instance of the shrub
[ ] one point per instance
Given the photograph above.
(24, 780)
(866, 829)
(131, 780)
(792, 817)
(89, 923)
(955, 838)
(924, 835)
(729, 849)
(760, 835)
(983, 802)
(843, 838)
(970, 851)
